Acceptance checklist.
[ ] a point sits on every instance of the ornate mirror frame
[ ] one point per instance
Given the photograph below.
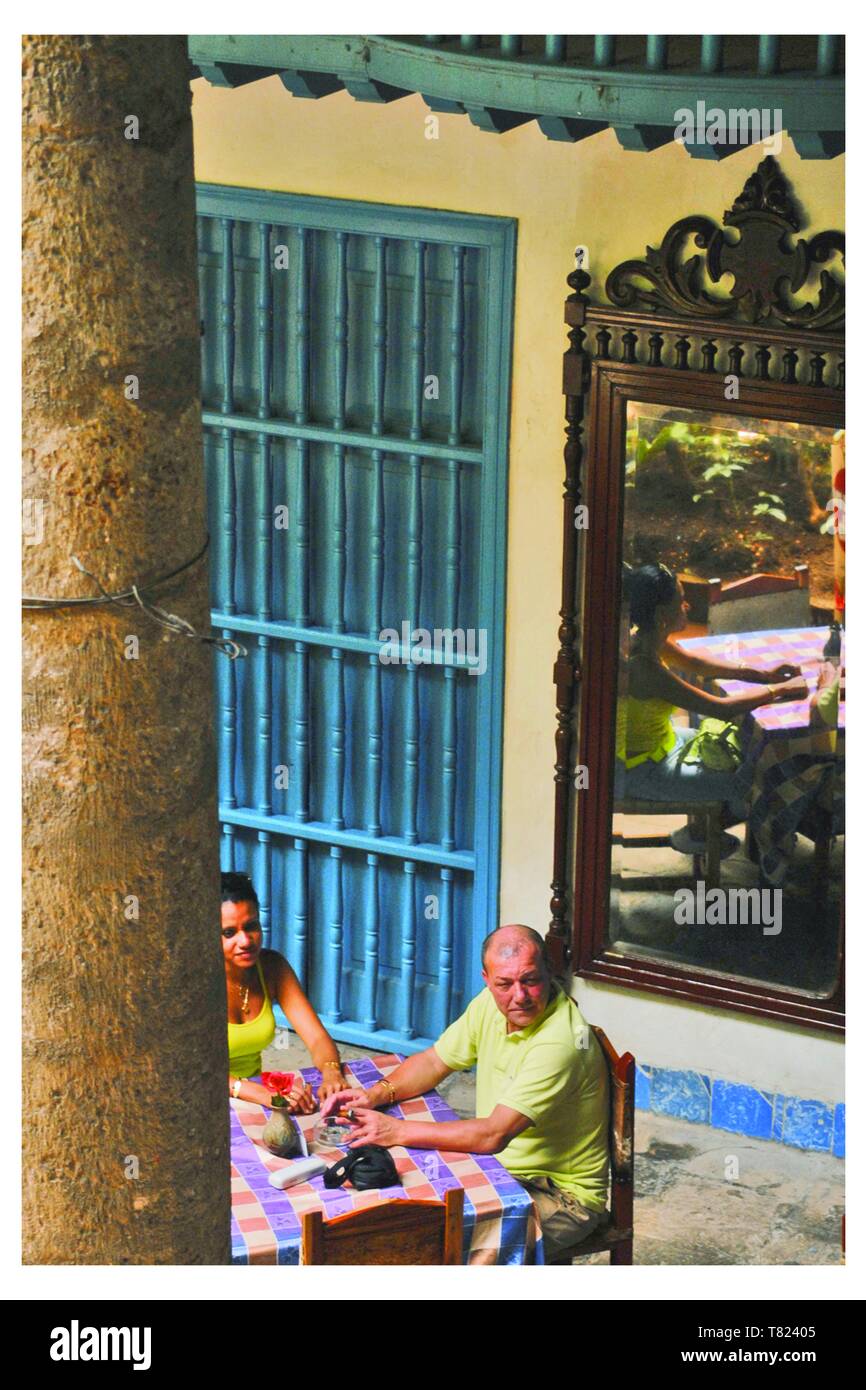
(671, 334)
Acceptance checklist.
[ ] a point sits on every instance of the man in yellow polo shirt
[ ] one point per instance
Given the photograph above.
(541, 1091)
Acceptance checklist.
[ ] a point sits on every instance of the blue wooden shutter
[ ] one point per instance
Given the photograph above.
(355, 385)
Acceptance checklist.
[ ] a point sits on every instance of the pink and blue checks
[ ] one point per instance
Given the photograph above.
(791, 770)
(498, 1217)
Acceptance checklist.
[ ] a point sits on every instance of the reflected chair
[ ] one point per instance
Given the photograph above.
(617, 1236)
(705, 865)
(389, 1233)
(759, 602)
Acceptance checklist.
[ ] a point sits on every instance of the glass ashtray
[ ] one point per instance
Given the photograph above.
(333, 1133)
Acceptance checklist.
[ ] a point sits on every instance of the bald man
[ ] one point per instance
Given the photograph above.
(541, 1092)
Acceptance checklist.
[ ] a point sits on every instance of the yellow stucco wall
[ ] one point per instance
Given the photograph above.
(592, 193)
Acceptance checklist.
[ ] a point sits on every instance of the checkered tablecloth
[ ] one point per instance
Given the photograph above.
(792, 772)
(498, 1216)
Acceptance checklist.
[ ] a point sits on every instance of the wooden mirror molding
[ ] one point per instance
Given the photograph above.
(752, 301)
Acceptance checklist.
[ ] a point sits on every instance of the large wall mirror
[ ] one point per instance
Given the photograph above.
(701, 679)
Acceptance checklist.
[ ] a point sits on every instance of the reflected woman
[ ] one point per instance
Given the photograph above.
(253, 979)
(649, 748)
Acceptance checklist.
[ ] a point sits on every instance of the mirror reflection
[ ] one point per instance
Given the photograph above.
(726, 843)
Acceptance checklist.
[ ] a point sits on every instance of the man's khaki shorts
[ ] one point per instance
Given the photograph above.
(564, 1220)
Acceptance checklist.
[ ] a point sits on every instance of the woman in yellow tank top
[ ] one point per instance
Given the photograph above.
(649, 747)
(253, 978)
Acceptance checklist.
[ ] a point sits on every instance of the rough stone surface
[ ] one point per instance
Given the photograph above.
(783, 1207)
(125, 1050)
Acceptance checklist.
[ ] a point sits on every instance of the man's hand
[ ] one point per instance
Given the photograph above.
(348, 1096)
(372, 1127)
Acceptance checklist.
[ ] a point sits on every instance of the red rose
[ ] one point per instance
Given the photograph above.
(279, 1083)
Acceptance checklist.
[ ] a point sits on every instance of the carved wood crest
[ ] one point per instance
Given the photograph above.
(768, 266)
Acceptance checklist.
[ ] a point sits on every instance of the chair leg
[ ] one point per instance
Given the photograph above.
(821, 861)
(622, 1254)
(714, 846)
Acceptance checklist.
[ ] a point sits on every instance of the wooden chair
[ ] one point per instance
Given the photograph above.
(710, 812)
(617, 1236)
(389, 1233)
(760, 601)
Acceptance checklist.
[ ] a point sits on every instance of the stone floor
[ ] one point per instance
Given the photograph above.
(702, 1196)
(804, 953)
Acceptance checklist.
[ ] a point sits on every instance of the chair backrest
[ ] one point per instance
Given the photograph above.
(621, 1132)
(760, 601)
(387, 1233)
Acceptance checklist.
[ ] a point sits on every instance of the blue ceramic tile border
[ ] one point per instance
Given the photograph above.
(729, 1105)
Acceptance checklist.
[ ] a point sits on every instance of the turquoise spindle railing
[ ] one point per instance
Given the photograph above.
(264, 512)
(449, 714)
(263, 320)
(338, 708)
(300, 915)
(380, 333)
(262, 881)
(227, 312)
(227, 846)
(334, 940)
(338, 738)
(227, 509)
(294, 332)
(603, 50)
(408, 928)
(828, 54)
(302, 330)
(419, 326)
(410, 782)
(341, 332)
(712, 48)
(656, 52)
(301, 730)
(554, 48)
(509, 45)
(457, 328)
(446, 989)
(263, 764)
(227, 343)
(227, 696)
(301, 657)
(301, 683)
(374, 712)
(370, 980)
(769, 49)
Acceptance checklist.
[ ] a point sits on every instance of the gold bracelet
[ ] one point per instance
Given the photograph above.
(392, 1093)
(338, 1065)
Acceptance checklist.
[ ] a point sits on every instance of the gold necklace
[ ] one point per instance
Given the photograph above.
(244, 991)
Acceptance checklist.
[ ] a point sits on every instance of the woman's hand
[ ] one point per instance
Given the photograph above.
(795, 689)
(300, 1100)
(333, 1083)
(254, 1092)
(340, 1100)
(785, 671)
(372, 1127)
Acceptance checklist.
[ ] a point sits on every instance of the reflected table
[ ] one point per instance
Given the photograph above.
(791, 769)
(499, 1224)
